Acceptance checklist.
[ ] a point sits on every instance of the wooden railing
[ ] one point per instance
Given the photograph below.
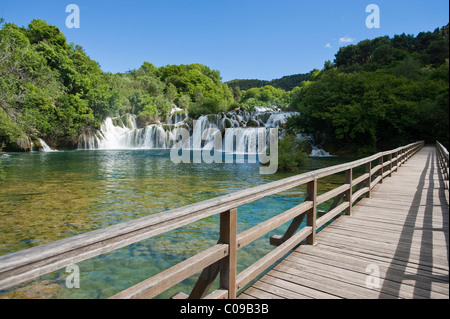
(443, 161)
(220, 259)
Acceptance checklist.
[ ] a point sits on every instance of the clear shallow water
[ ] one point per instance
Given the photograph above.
(50, 196)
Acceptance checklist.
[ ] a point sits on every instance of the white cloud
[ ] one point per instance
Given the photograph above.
(328, 45)
(346, 40)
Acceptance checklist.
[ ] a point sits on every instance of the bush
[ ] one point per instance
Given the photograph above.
(209, 107)
(291, 154)
(148, 115)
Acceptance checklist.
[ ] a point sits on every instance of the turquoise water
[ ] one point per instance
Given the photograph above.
(50, 196)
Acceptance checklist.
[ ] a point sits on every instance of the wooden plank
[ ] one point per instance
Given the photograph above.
(419, 288)
(331, 214)
(355, 278)
(262, 264)
(375, 169)
(360, 179)
(367, 257)
(277, 287)
(379, 247)
(155, 285)
(299, 285)
(315, 279)
(375, 234)
(276, 240)
(217, 294)
(261, 294)
(263, 228)
(333, 193)
(246, 296)
(340, 259)
(375, 181)
(359, 193)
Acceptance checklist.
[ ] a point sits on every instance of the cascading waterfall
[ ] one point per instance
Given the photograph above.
(318, 152)
(41, 147)
(244, 128)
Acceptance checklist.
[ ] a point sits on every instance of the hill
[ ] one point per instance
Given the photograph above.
(286, 83)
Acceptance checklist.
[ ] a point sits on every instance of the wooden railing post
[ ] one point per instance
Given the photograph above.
(311, 214)
(228, 235)
(390, 164)
(396, 161)
(348, 194)
(401, 155)
(380, 162)
(369, 179)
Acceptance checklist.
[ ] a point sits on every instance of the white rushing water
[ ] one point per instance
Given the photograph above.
(245, 129)
(318, 152)
(123, 133)
(44, 146)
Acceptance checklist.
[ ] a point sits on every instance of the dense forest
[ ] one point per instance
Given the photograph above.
(286, 83)
(379, 93)
(52, 90)
(376, 94)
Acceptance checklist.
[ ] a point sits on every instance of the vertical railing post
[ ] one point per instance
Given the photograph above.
(396, 160)
(228, 235)
(369, 179)
(349, 192)
(390, 164)
(380, 162)
(311, 189)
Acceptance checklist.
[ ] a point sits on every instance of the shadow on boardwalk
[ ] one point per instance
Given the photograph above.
(403, 229)
(425, 187)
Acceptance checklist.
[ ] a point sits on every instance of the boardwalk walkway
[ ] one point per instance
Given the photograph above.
(395, 245)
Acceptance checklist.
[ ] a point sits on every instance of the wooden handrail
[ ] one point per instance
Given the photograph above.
(27, 264)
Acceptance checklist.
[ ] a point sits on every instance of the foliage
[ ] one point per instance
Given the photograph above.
(379, 93)
(2, 172)
(292, 155)
(53, 90)
(44, 85)
(264, 96)
(209, 107)
(286, 83)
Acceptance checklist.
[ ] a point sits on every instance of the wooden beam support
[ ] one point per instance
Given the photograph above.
(348, 194)
(228, 235)
(369, 179)
(311, 214)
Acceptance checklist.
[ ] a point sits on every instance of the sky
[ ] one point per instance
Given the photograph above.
(243, 39)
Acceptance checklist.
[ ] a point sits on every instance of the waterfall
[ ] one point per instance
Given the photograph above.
(315, 151)
(245, 129)
(44, 147)
(318, 152)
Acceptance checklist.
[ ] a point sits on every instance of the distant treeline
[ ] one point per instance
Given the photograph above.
(286, 83)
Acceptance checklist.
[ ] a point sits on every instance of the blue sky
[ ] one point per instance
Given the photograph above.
(245, 39)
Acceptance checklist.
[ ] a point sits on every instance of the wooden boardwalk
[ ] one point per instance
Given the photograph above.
(394, 245)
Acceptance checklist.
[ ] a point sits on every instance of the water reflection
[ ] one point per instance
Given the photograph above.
(50, 196)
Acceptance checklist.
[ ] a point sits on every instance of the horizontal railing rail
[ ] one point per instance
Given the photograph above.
(220, 259)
